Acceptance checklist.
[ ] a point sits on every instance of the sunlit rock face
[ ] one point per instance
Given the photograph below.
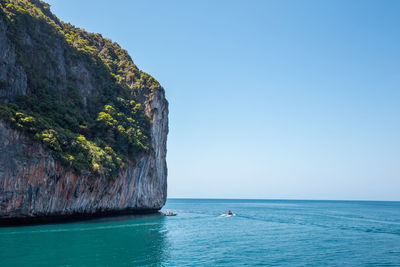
(33, 183)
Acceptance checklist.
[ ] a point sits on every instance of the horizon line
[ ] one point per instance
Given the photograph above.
(282, 199)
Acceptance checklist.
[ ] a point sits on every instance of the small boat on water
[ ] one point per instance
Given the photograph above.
(229, 214)
(170, 213)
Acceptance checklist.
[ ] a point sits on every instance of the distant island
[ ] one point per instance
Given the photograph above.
(82, 130)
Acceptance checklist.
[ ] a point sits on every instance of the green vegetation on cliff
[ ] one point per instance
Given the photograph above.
(85, 97)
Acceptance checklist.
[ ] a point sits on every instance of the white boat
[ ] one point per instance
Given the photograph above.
(228, 215)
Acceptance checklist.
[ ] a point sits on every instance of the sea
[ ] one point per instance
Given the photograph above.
(262, 233)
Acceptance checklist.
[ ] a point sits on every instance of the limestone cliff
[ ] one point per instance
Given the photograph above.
(36, 178)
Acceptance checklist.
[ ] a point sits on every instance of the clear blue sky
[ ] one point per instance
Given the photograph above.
(268, 99)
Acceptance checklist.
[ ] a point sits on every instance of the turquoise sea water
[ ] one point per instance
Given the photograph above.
(263, 232)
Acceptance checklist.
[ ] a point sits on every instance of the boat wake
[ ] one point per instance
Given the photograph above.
(227, 215)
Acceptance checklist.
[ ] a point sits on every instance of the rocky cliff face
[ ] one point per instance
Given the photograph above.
(12, 75)
(33, 182)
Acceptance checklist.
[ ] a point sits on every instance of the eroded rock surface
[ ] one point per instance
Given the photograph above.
(12, 75)
(33, 183)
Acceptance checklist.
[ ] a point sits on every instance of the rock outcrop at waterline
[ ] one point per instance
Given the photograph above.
(65, 169)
